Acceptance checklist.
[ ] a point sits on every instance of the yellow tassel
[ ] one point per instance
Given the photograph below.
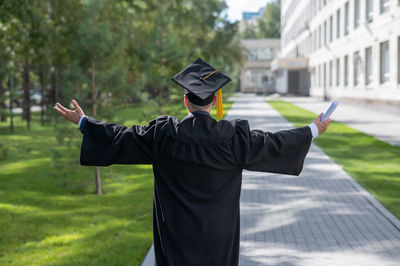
(220, 109)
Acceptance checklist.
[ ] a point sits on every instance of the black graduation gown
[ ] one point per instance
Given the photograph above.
(197, 165)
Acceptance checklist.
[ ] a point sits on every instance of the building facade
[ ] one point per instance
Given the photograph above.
(249, 19)
(292, 75)
(256, 75)
(352, 47)
(253, 15)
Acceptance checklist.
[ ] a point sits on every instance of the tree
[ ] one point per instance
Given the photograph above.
(269, 22)
(177, 33)
(103, 51)
(250, 31)
(100, 40)
(267, 25)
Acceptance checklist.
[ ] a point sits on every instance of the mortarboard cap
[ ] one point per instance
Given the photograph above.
(201, 81)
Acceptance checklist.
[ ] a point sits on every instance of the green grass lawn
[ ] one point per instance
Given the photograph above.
(374, 164)
(48, 212)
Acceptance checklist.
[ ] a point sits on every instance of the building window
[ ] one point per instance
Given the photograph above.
(368, 66)
(252, 55)
(346, 18)
(248, 76)
(319, 76)
(316, 76)
(315, 40)
(356, 68)
(313, 78)
(311, 42)
(330, 73)
(337, 23)
(260, 54)
(325, 32)
(324, 75)
(369, 6)
(337, 71)
(384, 6)
(356, 13)
(256, 79)
(346, 70)
(398, 58)
(331, 29)
(384, 62)
(319, 36)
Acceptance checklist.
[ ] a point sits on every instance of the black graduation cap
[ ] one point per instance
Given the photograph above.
(201, 81)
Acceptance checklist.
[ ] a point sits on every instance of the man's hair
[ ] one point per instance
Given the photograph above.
(194, 107)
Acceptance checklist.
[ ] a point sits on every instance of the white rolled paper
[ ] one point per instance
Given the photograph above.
(330, 110)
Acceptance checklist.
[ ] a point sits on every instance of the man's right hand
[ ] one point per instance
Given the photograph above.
(321, 125)
(71, 115)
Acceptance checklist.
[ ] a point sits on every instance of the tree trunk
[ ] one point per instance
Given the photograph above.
(54, 87)
(42, 88)
(10, 88)
(94, 96)
(160, 99)
(53, 93)
(26, 114)
(3, 116)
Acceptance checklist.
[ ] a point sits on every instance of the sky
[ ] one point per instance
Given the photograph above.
(236, 7)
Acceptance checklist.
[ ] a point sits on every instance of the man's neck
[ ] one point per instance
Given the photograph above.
(200, 112)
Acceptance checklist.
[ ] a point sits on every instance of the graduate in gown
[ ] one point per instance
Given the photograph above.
(197, 165)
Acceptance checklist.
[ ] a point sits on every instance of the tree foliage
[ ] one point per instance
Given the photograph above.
(266, 26)
(269, 22)
(135, 46)
(104, 52)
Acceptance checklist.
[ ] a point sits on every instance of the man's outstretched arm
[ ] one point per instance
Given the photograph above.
(104, 143)
(280, 152)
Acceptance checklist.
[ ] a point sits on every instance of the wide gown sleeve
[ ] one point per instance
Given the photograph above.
(280, 152)
(104, 144)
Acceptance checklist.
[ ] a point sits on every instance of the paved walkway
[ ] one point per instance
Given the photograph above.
(382, 125)
(322, 217)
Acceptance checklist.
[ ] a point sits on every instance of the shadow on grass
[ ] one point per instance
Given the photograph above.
(111, 243)
(32, 214)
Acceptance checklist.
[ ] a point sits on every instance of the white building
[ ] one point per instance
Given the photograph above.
(256, 75)
(351, 47)
(249, 19)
